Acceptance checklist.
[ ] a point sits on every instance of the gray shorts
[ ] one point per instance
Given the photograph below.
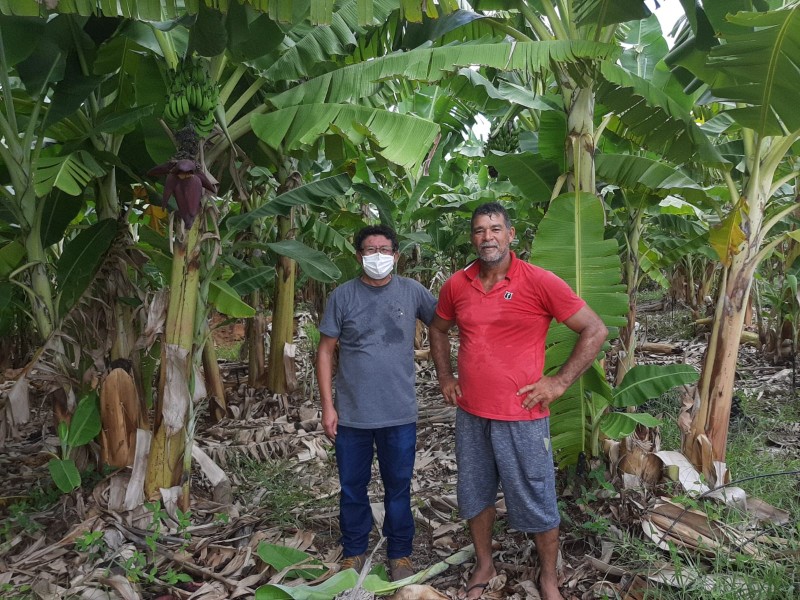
(518, 456)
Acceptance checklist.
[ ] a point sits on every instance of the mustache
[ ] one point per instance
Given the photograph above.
(488, 245)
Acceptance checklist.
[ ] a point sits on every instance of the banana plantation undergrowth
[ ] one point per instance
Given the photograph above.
(265, 524)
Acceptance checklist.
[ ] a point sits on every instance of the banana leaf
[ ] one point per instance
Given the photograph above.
(249, 279)
(652, 119)
(644, 382)
(643, 174)
(228, 301)
(534, 175)
(80, 260)
(609, 12)
(314, 263)
(346, 580)
(315, 194)
(401, 139)
(570, 242)
(316, 45)
(354, 82)
(645, 46)
(758, 66)
(70, 173)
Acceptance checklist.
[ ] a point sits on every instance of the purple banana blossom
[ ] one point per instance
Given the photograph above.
(186, 182)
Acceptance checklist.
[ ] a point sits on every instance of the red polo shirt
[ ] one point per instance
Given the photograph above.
(503, 334)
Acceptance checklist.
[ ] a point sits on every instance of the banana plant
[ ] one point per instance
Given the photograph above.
(54, 252)
(571, 243)
(751, 73)
(635, 188)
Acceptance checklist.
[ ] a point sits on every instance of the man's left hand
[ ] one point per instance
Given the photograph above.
(543, 392)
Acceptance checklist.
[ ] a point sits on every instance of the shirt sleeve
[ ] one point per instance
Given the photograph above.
(331, 323)
(427, 305)
(445, 308)
(561, 301)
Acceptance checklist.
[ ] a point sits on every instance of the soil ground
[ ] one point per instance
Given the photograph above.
(285, 488)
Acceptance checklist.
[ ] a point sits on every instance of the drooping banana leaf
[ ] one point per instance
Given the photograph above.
(456, 27)
(649, 117)
(249, 279)
(80, 260)
(314, 263)
(643, 174)
(608, 12)
(227, 301)
(310, 194)
(534, 175)
(759, 67)
(313, 46)
(401, 139)
(325, 236)
(354, 82)
(321, 39)
(472, 87)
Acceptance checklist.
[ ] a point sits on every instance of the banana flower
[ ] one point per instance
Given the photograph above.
(185, 181)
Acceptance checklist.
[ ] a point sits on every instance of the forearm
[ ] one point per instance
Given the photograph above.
(586, 349)
(330, 418)
(325, 376)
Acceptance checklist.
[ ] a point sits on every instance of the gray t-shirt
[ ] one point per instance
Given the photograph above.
(376, 326)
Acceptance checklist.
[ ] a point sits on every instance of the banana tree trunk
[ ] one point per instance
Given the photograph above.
(282, 315)
(626, 358)
(42, 304)
(580, 147)
(165, 467)
(256, 352)
(707, 436)
(214, 384)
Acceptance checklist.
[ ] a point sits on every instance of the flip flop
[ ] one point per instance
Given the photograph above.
(476, 586)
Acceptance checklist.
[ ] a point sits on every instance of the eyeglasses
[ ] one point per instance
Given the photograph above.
(370, 250)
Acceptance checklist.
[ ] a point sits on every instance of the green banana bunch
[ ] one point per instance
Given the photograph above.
(191, 99)
(504, 137)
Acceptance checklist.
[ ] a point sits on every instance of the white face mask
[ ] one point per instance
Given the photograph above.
(378, 266)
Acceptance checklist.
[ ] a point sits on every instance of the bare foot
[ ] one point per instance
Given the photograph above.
(548, 588)
(477, 583)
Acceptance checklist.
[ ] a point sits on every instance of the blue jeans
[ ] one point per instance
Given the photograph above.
(396, 448)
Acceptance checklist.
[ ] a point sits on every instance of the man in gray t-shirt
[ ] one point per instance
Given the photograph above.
(373, 318)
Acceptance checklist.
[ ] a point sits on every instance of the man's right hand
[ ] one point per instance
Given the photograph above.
(451, 390)
(330, 423)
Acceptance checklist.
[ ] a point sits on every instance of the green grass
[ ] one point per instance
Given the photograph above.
(284, 490)
(666, 408)
(230, 352)
(777, 576)
(20, 517)
(677, 324)
(749, 454)
(9, 591)
(648, 295)
(729, 576)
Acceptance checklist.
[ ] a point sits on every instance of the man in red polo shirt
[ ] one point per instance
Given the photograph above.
(503, 307)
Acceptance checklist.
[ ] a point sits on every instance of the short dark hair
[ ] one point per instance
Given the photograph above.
(488, 209)
(369, 230)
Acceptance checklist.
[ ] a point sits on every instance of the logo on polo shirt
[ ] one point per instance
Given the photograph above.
(508, 295)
